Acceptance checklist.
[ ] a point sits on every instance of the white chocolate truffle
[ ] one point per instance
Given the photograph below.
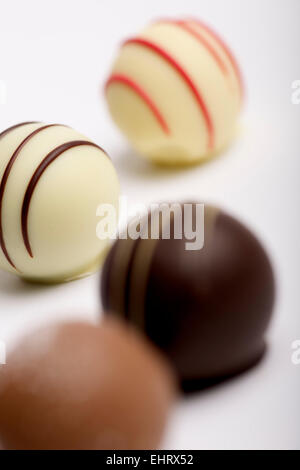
(175, 92)
(52, 179)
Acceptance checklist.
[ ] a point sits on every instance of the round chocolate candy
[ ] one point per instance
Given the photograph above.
(80, 386)
(207, 308)
(52, 180)
(175, 91)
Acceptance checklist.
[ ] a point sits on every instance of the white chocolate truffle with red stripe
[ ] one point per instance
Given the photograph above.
(52, 179)
(175, 91)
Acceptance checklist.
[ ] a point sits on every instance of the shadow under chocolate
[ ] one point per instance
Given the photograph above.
(193, 386)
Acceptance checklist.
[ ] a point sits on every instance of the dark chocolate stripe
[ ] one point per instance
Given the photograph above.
(6, 176)
(128, 284)
(50, 158)
(12, 128)
(140, 271)
(122, 253)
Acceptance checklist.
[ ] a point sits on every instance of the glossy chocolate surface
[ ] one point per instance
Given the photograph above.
(209, 309)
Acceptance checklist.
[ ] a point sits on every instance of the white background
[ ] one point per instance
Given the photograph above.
(55, 56)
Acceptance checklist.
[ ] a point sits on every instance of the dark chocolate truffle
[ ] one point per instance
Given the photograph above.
(79, 386)
(208, 308)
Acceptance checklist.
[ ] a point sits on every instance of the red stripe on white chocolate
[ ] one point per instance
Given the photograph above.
(118, 78)
(226, 49)
(200, 101)
(200, 38)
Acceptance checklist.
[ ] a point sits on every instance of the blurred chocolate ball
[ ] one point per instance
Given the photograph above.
(79, 386)
(206, 307)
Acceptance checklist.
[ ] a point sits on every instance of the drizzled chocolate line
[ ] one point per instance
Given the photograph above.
(225, 48)
(6, 176)
(186, 78)
(50, 158)
(128, 284)
(118, 78)
(2, 134)
(202, 40)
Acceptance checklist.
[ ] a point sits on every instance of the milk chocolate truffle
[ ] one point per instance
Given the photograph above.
(52, 179)
(79, 386)
(206, 308)
(175, 91)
